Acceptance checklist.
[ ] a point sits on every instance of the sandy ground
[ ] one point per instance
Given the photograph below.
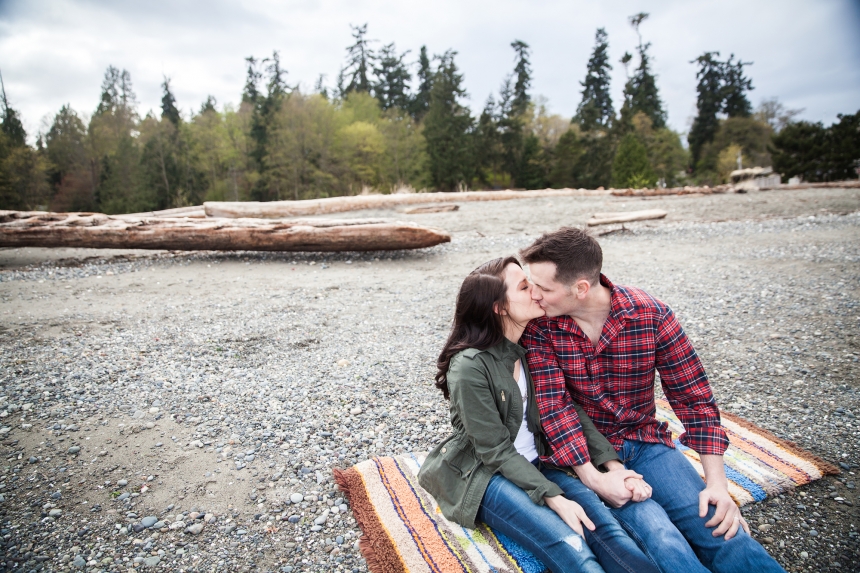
(766, 283)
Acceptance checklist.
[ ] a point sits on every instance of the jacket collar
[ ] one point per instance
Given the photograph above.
(507, 350)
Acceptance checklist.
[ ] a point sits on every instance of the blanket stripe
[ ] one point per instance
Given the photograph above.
(404, 531)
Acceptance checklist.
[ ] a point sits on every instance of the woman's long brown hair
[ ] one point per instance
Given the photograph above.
(476, 322)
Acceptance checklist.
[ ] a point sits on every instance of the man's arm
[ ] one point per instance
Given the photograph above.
(562, 425)
(687, 388)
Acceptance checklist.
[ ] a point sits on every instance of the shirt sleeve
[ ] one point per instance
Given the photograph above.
(470, 388)
(558, 415)
(687, 388)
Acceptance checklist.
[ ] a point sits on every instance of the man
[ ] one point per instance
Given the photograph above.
(600, 345)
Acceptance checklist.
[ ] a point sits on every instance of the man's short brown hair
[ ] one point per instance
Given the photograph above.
(576, 255)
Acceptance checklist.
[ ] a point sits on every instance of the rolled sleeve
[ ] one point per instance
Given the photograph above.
(687, 389)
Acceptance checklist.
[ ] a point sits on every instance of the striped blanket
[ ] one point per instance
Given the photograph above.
(403, 530)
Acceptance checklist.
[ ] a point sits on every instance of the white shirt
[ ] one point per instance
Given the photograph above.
(525, 440)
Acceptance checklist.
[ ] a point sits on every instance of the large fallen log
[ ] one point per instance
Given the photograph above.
(625, 217)
(98, 231)
(281, 209)
(195, 211)
(671, 191)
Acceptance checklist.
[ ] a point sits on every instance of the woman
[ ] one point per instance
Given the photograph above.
(488, 469)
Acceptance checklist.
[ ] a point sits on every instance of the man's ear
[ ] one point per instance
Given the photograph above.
(581, 288)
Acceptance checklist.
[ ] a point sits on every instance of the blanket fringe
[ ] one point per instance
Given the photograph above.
(377, 548)
(826, 467)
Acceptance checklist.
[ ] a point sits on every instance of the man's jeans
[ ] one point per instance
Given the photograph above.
(508, 509)
(676, 487)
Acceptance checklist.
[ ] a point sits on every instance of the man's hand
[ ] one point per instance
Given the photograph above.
(570, 512)
(727, 515)
(611, 486)
(638, 487)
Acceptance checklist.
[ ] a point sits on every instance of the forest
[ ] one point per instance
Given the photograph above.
(391, 124)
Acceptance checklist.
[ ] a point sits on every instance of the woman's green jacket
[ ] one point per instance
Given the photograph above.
(486, 414)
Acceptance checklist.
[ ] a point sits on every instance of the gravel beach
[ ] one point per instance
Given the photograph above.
(183, 411)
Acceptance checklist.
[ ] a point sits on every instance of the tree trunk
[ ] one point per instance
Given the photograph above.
(280, 209)
(98, 231)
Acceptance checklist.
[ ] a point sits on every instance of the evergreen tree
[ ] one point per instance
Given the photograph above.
(251, 92)
(631, 167)
(523, 75)
(640, 92)
(208, 106)
(582, 160)
(359, 62)
(488, 150)
(392, 77)
(421, 101)
(818, 153)
(735, 86)
(262, 118)
(11, 126)
(447, 127)
(708, 103)
(595, 110)
(320, 88)
(168, 104)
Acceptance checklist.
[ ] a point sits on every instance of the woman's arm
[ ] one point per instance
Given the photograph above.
(471, 394)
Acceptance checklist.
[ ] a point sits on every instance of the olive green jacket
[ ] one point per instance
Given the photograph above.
(486, 414)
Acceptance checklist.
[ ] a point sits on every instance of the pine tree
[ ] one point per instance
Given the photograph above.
(631, 167)
(251, 92)
(11, 126)
(359, 62)
(708, 103)
(640, 92)
(168, 104)
(595, 110)
(523, 75)
(447, 127)
(421, 101)
(488, 150)
(209, 105)
(735, 86)
(264, 111)
(391, 87)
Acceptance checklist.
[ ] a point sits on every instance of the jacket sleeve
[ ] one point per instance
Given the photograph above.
(468, 382)
(599, 448)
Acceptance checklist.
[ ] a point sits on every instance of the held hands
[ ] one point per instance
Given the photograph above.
(727, 516)
(619, 485)
(570, 512)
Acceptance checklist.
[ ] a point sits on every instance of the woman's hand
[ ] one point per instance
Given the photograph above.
(570, 512)
(636, 485)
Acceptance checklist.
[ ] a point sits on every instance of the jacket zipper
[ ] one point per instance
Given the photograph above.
(503, 395)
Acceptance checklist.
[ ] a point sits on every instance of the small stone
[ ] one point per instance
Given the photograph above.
(844, 466)
(296, 498)
(122, 483)
(55, 513)
(294, 519)
(151, 561)
(764, 527)
(74, 450)
(79, 562)
(804, 555)
(813, 533)
(355, 411)
(194, 529)
(123, 496)
(343, 362)
(316, 528)
(149, 521)
(339, 539)
(767, 540)
(33, 459)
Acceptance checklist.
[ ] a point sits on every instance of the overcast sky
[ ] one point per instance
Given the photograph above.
(52, 52)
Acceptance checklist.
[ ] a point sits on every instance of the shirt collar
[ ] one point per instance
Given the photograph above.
(620, 306)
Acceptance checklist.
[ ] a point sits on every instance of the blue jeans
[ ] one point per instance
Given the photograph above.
(508, 509)
(676, 486)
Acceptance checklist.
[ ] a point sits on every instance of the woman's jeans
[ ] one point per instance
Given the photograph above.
(673, 510)
(508, 509)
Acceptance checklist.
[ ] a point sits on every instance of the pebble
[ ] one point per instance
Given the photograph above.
(255, 380)
(79, 562)
(74, 450)
(195, 528)
(149, 521)
(55, 513)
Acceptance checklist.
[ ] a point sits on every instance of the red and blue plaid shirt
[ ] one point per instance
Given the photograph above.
(614, 381)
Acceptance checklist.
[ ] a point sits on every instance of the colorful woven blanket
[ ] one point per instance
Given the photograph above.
(403, 530)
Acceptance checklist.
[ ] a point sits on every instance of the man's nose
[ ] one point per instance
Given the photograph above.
(535, 293)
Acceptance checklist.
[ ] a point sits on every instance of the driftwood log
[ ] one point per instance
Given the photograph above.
(431, 209)
(98, 231)
(281, 209)
(625, 217)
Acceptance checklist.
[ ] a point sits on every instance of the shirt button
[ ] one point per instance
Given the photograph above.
(444, 450)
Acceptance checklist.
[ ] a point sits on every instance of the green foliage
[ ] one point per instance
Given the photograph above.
(631, 167)
(666, 155)
(169, 110)
(359, 63)
(751, 135)
(595, 109)
(523, 75)
(421, 101)
(391, 87)
(735, 88)
(582, 160)
(817, 153)
(640, 91)
(447, 128)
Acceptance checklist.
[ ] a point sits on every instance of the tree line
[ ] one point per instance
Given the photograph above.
(391, 123)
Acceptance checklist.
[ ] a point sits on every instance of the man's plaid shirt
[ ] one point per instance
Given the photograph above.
(614, 382)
